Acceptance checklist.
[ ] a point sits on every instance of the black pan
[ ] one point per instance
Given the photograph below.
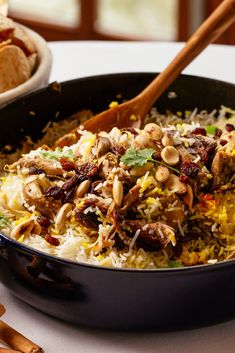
(102, 297)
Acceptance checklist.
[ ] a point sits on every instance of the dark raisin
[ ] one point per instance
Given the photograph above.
(52, 240)
(88, 220)
(71, 183)
(223, 142)
(218, 132)
(68, 196)
(131, 130)
(229, 127)
(184, 179)
(55, 192)
(199, 131)
(88, 170)
(35, 171)
(190, 169)
(43, 221)
(67, 165)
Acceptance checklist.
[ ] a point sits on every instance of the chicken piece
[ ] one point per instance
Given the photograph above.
(218, 168)
(38, 165)
(33, 195)
(107, 163)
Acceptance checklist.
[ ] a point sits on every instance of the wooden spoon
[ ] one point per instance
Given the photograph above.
(132, 113)
(207, 33)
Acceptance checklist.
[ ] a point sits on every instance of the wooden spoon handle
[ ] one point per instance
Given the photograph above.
(207, 33)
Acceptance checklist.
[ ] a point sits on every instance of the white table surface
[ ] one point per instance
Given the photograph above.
(77, 59)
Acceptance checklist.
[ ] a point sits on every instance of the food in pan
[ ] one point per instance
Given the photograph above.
(158, 197)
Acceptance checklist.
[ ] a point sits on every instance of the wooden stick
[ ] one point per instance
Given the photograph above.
(2, 310)
(7, 350)
(16, 340)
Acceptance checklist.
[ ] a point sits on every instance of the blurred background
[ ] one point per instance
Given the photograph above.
(162, 20)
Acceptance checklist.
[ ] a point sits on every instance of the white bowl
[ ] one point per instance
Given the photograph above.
(40, 77)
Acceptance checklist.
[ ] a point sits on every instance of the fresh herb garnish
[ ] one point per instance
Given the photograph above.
(211, 129)
(175, 264)
(57, 153)
(4, 221)
(138, 158)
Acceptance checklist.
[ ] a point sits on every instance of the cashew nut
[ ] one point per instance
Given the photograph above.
(61, 216)
(117, 192)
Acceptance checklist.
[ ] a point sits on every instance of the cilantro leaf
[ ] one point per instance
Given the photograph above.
(211, 129)
(4, 221)
(137, 158)
(57, 153)
(174, 264)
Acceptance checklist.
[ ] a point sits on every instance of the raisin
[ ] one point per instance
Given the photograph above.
(66, 164)
(43, 221)
(68, 196)
(88, 220)
(190, 169)
(218, 132)
(184, 179)
(55, 192)
(229, 127)
(52, 240)
(35, 171)
(199, 131)
(88, 170)
(71, 183)
(131, 130)
(223, 142)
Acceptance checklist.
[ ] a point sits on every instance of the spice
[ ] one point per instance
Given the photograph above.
(16, 340)
(2, 310)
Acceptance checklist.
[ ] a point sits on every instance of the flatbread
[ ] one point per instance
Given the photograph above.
(32, 60)
(21, 39)
(14, 67)
(4, 43)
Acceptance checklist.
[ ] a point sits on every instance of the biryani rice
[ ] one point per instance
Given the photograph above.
(211, 219)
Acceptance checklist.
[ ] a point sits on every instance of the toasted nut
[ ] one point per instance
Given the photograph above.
(154, 131)
(36, 228)
(117, 192)
(167, 140)
(162, 173)
(25, 228)
(82, 188)
(170, 155)
(141, 140)
(139, 171)
(188, 198)
(174, 184)
(61, 216)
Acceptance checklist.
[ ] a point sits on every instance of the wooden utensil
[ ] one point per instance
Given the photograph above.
(132, 113)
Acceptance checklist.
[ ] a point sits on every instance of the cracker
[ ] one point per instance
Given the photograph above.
(4, 43)
(21, 39)
(32, 60)
(14, 67)
(10, 30)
